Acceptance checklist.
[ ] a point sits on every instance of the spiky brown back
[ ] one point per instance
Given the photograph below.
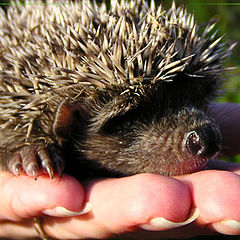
(132, 46)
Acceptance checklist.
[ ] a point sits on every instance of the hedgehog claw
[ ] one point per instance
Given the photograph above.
(29, 160)
(59, 163)
(33, 158)
(31, 168)
(46, 162)
(50, 171)
(15, 165)
(34, 172)
(18, 168)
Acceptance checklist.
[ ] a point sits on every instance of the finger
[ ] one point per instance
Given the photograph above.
(22, 197)
(227, 116)
(216, 194)
(144, 197)
(223, 165)
(13, 230)
(122, 205)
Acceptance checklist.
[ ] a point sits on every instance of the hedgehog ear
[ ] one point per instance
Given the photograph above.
(64, 120)
(116, 108)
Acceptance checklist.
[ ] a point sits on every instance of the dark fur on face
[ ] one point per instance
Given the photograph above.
(151, 132)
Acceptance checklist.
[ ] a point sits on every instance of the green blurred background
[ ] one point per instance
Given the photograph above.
(228, 13)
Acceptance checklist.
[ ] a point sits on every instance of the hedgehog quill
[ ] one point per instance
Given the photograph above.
(102, 92)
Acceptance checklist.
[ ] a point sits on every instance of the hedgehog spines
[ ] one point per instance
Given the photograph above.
(48, 47)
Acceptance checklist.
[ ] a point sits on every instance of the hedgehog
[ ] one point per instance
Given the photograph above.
(97, 91)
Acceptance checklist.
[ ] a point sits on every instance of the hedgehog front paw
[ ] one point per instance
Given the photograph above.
(33, 158)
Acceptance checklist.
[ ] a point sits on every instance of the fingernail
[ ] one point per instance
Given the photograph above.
(233, 224)
(63, 212)
(160, 223)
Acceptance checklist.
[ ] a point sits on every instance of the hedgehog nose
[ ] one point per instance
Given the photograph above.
(203, 142)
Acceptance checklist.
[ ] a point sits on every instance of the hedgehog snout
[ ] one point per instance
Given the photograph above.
(203, 141)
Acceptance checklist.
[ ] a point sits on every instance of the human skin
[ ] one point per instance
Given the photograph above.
(126, 206)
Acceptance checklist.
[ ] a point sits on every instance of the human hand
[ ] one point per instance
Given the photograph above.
(127, 204)
(122, 205)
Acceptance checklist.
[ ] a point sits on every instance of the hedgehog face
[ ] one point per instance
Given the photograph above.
(148, 138)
